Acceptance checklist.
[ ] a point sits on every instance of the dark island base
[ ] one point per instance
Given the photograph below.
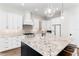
(28, 51)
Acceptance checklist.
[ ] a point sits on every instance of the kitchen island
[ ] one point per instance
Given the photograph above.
(48, 45)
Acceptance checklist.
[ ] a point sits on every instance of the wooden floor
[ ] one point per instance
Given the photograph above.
(17, 52)
(13, 52)
(78, 51)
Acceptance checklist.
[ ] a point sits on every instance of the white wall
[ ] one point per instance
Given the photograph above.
(72, 23)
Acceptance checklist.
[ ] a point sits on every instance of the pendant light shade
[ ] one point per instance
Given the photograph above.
(62, 13)
(49, 12)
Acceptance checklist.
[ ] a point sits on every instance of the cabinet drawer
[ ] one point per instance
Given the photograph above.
(4, 46)
(2, 39)
(3, 42)
(9, 43)
(15, 42)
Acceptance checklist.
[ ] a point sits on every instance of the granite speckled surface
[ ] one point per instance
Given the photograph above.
(48, 45)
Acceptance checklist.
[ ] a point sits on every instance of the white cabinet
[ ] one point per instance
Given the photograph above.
(16, 42)
(14, 21)
(3, 20)
(4, 45)
(19, 22)
(9, 43)
(10, 20)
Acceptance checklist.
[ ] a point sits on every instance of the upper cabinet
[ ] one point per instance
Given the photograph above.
(11, 24)
(28, 19)
(10, 20)
(19, 22)
(14, 21)
(3, 19)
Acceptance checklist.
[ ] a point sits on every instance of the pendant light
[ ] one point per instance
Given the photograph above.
(49, 12)
(62, 14)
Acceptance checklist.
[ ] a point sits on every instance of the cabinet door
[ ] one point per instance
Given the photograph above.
(19, 22)
(12, 21)
(16, 42)
(1, 44)
(4, 44)
(9, 43)
(3, 20)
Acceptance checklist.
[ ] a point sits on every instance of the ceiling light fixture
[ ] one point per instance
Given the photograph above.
(62, 14)
(49, 12)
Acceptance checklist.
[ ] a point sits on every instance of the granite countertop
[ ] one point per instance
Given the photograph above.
(48, 45)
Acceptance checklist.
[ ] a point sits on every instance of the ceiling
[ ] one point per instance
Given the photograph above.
(39, 8)
(32, 6)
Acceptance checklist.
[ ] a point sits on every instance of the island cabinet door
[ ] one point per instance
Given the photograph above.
(28, 51)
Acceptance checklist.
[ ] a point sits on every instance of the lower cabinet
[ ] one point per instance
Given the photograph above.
(28, 51)
(9, 43)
